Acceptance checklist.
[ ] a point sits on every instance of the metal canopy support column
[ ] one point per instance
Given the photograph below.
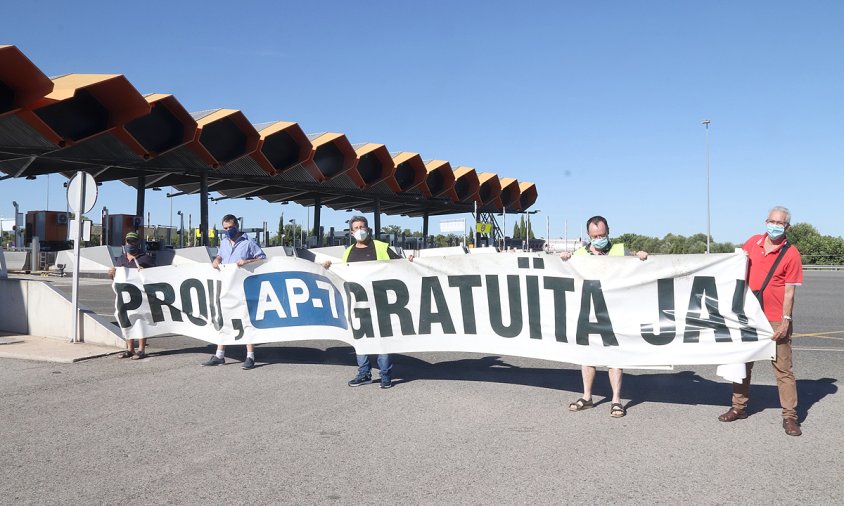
(139, 210)
(377, 219)
(425, 230)
(317, 209)
(477, 220)
(203, 205)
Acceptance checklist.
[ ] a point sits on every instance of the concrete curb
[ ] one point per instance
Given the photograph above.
(44, 349)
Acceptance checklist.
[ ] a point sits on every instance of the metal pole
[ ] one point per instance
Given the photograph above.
(203, 205)
(170, 230)
(80, 205)
(477, 219)
(377, 219)
(318, 219)
(504, 235)
(425, 229)
(708, 215)
(528, 232)
(566, 235)
(181, 229)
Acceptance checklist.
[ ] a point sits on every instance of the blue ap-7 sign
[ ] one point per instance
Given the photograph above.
(293, 299)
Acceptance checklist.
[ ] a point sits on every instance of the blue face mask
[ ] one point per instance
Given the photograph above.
(231, 233)
(775, 231)
(601, 244)
(131, 249)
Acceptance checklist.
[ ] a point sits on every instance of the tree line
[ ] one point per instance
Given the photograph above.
(815, 248)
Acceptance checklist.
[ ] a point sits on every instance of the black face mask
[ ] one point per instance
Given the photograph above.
(132, 249)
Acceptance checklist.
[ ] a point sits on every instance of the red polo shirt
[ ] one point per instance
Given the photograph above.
(789, 272)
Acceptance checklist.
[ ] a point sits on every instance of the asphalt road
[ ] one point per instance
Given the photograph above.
(456, 428)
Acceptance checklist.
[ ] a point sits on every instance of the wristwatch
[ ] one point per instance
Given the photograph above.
(786, 317)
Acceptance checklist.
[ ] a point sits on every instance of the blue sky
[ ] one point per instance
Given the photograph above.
(599, 103)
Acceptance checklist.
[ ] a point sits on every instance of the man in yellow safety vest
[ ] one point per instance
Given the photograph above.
(366, 248)
(600, 245)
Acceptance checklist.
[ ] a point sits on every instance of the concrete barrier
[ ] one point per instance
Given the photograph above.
(34, 307)
(17, 260)
(279, 251)
(195, 255)
(96, 259)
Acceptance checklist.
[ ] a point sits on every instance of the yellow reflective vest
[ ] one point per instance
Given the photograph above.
(380, 251)
(616, 250)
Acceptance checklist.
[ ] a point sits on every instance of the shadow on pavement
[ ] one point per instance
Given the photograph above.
(683, 387)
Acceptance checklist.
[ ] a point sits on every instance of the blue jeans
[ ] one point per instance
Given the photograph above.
(384, 364)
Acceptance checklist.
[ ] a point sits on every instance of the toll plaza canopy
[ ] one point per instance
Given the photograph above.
(100, 124)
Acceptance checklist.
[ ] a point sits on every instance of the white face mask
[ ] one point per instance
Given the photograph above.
(360, 234)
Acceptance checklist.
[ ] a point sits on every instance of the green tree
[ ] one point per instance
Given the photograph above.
(392, 229)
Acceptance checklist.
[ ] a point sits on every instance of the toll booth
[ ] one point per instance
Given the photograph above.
(50, 227)
(121, 224)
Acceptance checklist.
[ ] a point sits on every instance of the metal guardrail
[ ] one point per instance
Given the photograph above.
(823, 267)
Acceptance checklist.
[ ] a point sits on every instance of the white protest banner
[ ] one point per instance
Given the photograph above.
(617, 311)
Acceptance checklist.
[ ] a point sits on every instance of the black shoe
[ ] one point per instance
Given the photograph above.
(386, 383)
(215, 361)
(249, 363)
(361, 379)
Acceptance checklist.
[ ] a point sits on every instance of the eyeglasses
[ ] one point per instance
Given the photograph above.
(773, 222)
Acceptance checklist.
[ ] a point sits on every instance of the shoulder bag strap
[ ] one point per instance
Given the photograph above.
(774, 267)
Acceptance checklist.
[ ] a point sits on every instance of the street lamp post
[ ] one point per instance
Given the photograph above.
(708, 214)
(529, 230)
(181, 229)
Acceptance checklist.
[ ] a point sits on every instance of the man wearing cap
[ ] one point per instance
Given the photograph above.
(366, 248)
(133, 257)
(600, 245)
(775, 269)
(235, 248)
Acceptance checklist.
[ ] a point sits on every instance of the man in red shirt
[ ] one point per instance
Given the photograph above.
(777, 303)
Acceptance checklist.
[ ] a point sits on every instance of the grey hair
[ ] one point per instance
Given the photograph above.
(781, 209)
(355, 219)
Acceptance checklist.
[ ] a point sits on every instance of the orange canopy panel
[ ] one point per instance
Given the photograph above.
(332, 154)
(489, 192)
(374, 164)
(167, 126)
(410, 174)
(84, 105)
(528, 195)
(226, 134)
(21, 82)
(467, 184)
(510, 193)
(284, 145)
(440, 180)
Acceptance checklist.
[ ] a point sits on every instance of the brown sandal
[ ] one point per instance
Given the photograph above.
(140, 354)
(617, 410)
(732, 415)
(580, 405)
(126, 354)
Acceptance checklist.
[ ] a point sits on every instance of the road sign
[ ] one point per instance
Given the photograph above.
(81, 185)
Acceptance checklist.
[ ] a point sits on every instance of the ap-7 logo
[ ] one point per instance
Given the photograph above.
(291, 299)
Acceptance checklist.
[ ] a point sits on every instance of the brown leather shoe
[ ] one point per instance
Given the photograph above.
(732, 415)
(792, 428)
